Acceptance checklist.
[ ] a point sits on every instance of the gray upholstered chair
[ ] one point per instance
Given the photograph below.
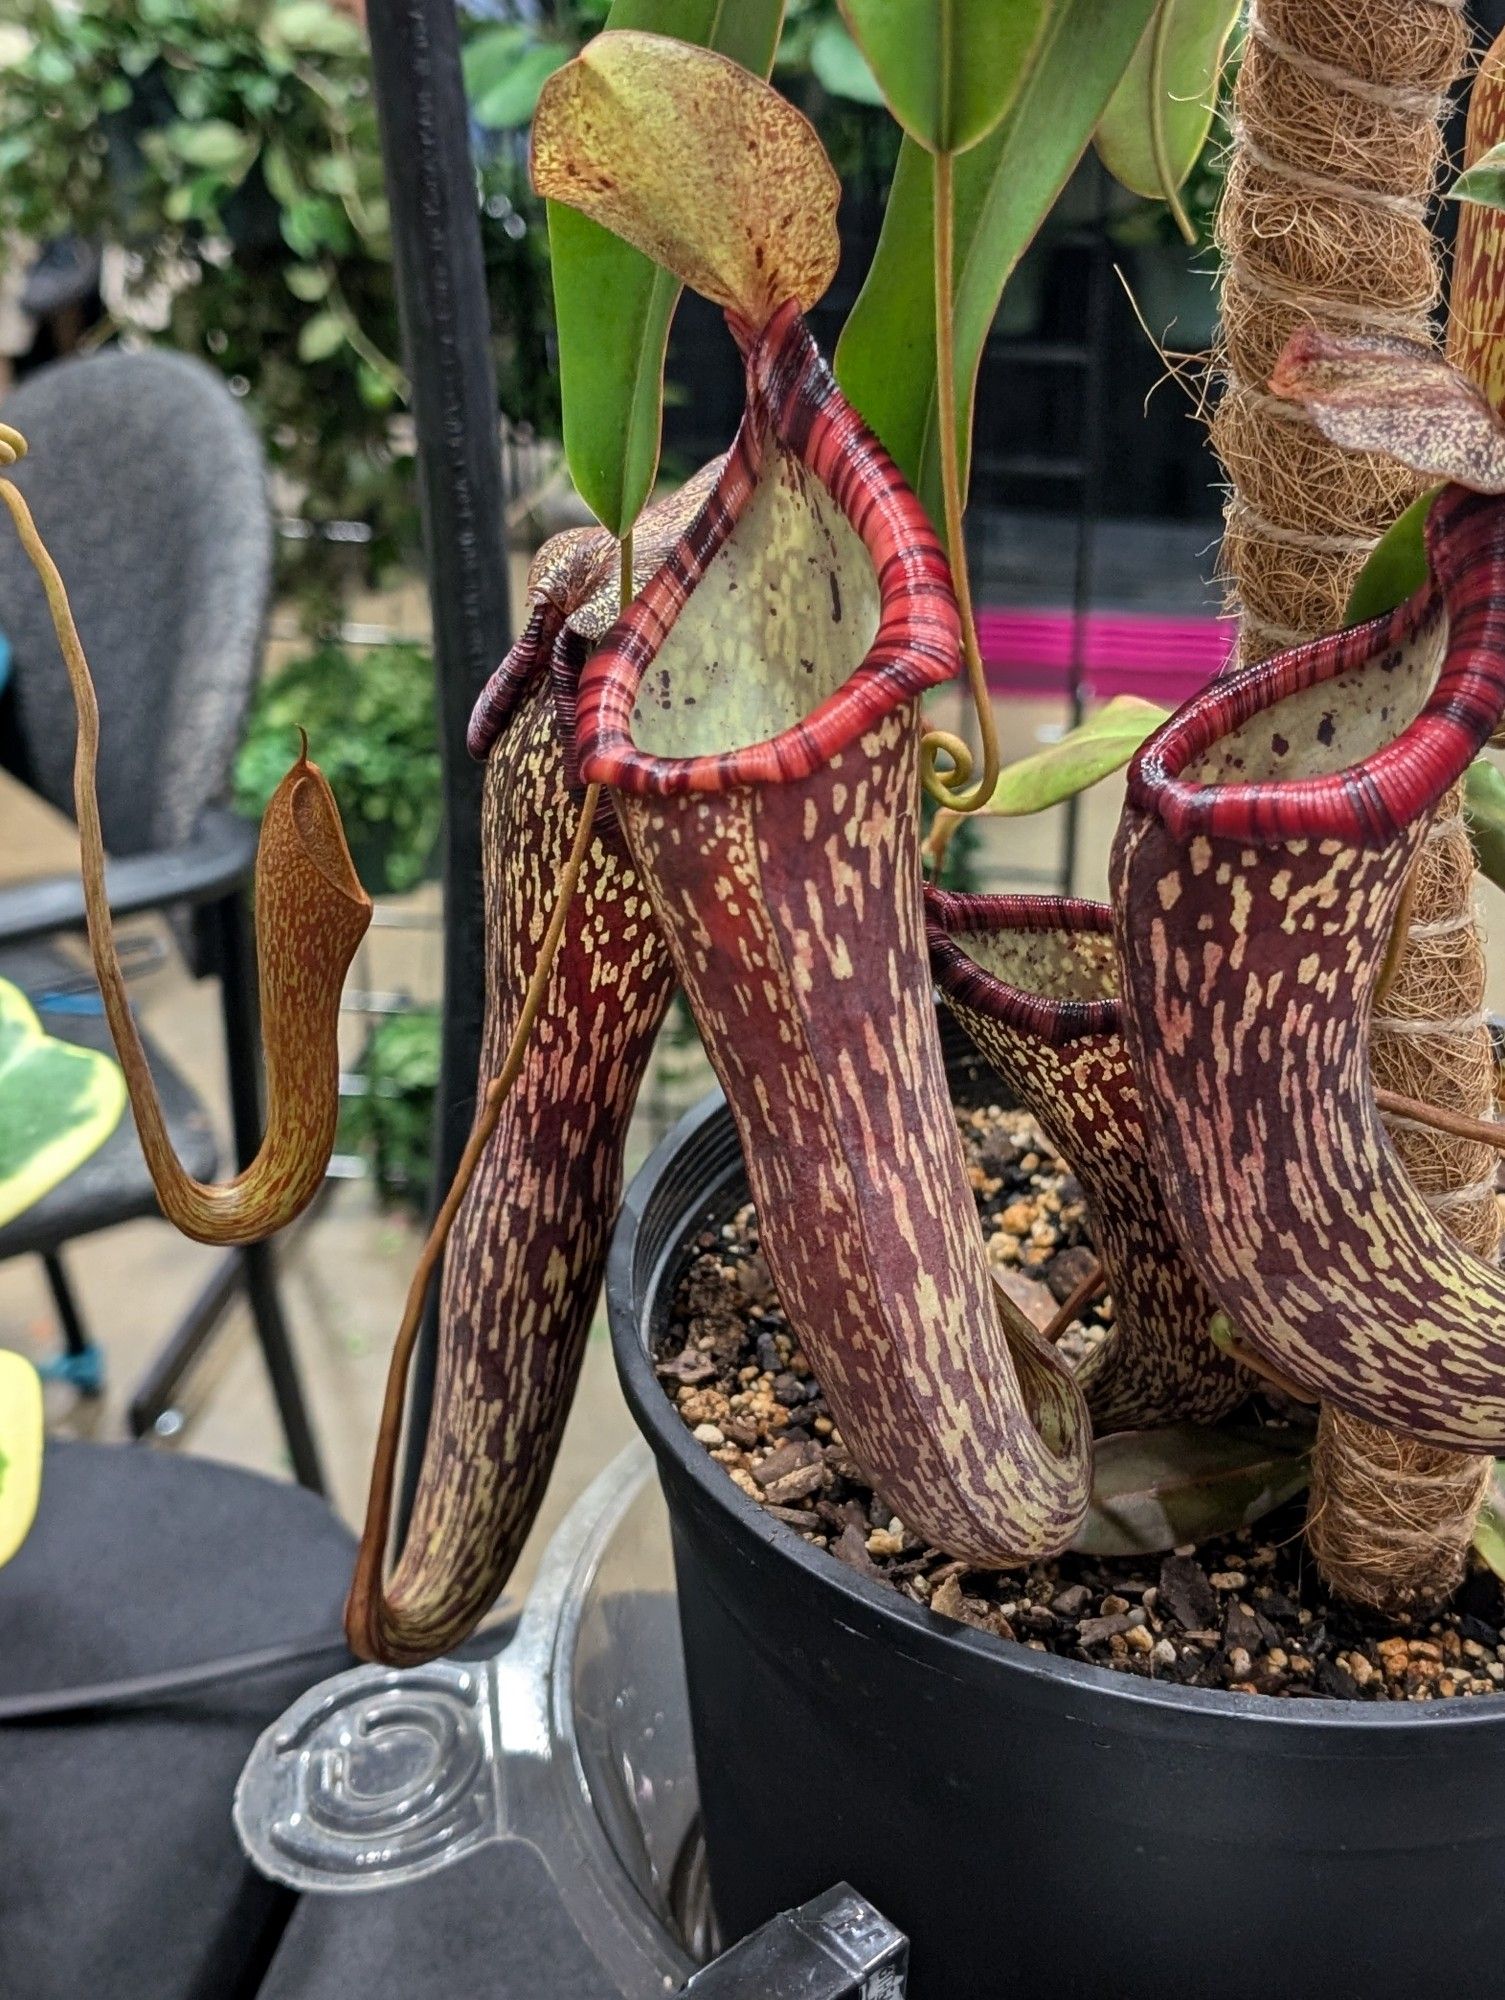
(148, 484)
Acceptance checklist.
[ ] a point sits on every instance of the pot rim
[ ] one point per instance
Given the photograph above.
(941, 1643)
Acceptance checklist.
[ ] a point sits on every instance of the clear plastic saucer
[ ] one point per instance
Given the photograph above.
(574, 1738)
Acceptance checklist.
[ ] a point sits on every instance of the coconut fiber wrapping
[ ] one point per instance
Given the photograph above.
(1338, 143)
(1337, 149)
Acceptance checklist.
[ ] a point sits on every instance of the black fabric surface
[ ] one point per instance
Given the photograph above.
(490, 1928)
(120, 1875)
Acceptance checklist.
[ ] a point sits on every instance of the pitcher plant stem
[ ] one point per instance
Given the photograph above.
(945, 788)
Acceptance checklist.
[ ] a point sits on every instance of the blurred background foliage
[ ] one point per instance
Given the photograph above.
(371, 720)
(224, 152)
(390, 1122)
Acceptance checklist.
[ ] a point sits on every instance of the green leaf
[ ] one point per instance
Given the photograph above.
(213, 144)
(948, 69)
(321, 336)
(1397, 565)
(1483, 182)
(306, 281)
(511, 100)
(1489, 1528)
(1004, 188)
(334, 173)
(313, 223)
(840, 66)
(613, 305)
(1099, 746)
(283, 183)
(58, 1104)
(490, 55)
(312, 28)
(1484, 815)
(1157, 121)
(1153, 1490)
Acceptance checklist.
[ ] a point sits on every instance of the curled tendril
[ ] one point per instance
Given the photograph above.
(942, 786)
(12, 445)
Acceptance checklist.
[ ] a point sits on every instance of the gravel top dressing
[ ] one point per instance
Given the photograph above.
(1246, 1612)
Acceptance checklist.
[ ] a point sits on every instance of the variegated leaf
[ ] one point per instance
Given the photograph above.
(696, 162)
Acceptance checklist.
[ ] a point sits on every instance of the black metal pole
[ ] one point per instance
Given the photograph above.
(441, 296)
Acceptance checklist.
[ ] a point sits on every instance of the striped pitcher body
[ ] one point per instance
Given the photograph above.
(1258, 872)
(522, 1267)
(1034, 981)
(799, 619)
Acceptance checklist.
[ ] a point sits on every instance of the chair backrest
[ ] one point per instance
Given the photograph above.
(148, 484)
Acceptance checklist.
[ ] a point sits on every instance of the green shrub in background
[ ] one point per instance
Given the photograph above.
(229, 146)
(370, 723)
(392, 1124)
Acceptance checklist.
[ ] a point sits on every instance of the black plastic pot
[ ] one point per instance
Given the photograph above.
(1040, 1828)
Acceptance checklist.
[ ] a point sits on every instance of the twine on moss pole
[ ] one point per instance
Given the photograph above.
(1337, 146)
(1384, 1515)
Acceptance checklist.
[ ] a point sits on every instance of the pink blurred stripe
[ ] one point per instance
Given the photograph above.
(1163, 659)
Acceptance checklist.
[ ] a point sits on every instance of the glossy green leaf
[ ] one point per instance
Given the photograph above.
(511, 99)
(1397, 565)
(1483, 182)
(1157, 121)
(1004, 188)
(613, 305)
(840, 66)
(1156, 1489)
(58, 1104)
(1489, 1528)
(1104, 743)
(948, 69)
(1484, 815)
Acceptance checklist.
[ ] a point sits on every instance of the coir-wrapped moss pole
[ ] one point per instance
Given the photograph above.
(1337, 144)
(755, 714)
(1034, 982)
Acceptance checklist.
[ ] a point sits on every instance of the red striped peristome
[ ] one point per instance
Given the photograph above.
(1061, 1054)
(786, 879)
(793, 403)
(1373, 799)
(574, 582)
(1055, 1020)
(1253, 921)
